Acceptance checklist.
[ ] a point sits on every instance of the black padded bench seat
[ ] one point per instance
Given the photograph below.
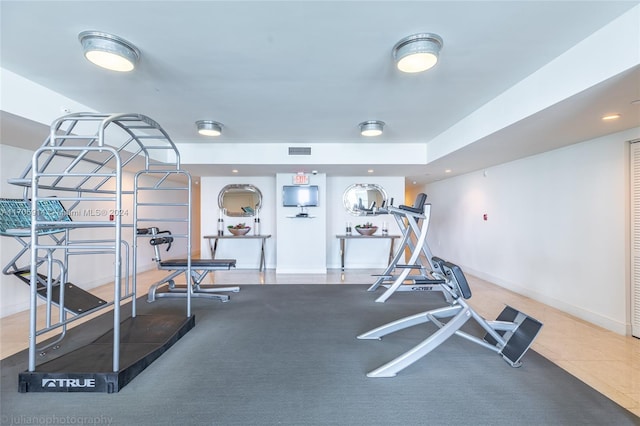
(199, 263)
(200, 269)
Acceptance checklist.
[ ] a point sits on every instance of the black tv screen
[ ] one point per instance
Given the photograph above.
(300, 196)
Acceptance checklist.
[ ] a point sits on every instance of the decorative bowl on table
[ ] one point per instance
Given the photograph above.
(239, 231)
(368, 230)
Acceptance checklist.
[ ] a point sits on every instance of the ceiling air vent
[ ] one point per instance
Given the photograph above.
(299, 150)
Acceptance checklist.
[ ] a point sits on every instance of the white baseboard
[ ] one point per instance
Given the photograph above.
(576, 311)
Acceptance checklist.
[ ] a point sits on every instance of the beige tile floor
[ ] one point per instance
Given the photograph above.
(606, 361)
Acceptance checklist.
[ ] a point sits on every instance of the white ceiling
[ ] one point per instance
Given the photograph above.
(310, 71)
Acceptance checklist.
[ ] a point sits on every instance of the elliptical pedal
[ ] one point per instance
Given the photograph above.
(508, 314)
(518, 340)
(76, 300)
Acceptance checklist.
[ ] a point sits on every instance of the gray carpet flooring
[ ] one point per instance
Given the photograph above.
(288, 355)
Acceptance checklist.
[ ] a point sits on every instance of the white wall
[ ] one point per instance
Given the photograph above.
(365, 253)
(18, 93)
(85, 271)
(557, 228)
(14, 295)
(301, 245)
(246, 252)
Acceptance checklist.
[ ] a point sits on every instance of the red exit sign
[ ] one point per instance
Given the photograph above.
(301, 180)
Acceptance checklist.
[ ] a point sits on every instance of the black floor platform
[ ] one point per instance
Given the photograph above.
(89, 368)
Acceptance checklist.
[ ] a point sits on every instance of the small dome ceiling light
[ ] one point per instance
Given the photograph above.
(418, 52)
(109, 51)
(209, 128)
(371, 128)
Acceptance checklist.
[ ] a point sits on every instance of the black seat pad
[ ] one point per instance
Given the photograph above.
(199, 263)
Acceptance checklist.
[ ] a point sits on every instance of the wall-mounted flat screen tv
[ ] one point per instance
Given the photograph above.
(300, 196)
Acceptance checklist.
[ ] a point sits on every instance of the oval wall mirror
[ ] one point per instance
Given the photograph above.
(240, 200)
(359, 198)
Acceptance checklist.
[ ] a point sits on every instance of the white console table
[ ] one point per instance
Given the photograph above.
(213, 244)
(343, 239)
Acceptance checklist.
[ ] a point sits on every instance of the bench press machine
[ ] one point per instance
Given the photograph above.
(510, 335)
(413, 221)
(200, 268)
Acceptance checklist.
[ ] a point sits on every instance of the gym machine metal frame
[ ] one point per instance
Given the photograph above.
(510, 335)
(412, 221)
(84, 158)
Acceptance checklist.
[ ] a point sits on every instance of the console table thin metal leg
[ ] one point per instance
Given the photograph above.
(213, 247)
(391, 252)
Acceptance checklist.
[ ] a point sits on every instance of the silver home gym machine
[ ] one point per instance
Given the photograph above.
(74, 204)
(510, 335)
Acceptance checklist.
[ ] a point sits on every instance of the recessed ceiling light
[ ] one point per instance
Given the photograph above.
(370, 171)
(611, 117)
(234, 171)
(448, 171)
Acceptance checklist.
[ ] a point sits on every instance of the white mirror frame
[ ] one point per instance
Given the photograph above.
(240, 189)
(362, 191)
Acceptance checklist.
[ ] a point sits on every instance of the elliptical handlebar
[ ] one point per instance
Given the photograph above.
(161, 240)
(156, 241)
(146, 231)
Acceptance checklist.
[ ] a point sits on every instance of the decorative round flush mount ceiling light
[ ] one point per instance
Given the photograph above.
(109, 51)
(371, 128)
(418, 52)
(209, 127)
